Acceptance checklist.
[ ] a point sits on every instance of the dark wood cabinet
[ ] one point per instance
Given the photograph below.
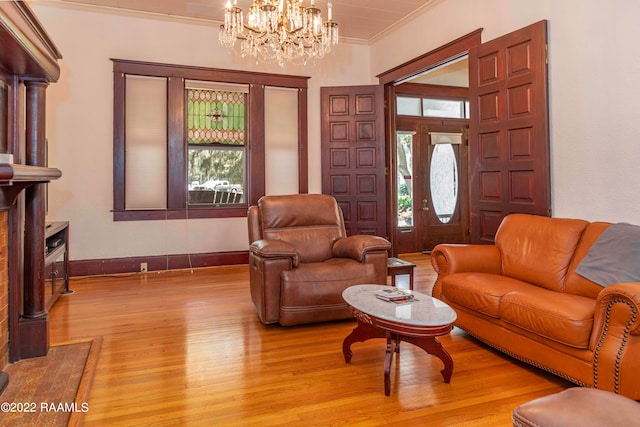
(56, 261)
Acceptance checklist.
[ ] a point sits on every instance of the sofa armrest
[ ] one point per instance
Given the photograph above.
(357, 247)
(619, 303)
(449, 259)
(615, 340)
(275, 249)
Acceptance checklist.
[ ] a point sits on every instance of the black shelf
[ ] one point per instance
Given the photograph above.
(56, 261)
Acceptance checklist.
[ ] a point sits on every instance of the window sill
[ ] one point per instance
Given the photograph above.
(193, 212)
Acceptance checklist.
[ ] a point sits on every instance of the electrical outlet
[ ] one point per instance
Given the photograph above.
(143, 267)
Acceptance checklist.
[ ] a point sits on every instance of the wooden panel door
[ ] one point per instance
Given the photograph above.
(353, 162)
(509, 130)
(436, 226)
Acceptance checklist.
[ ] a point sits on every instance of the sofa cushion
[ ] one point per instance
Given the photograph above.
(564, 318)
(537, 249)
(481, 292)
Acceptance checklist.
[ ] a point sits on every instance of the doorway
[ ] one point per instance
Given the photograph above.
(412, 78)
(508, 151)
(431, 152)
(432, 190)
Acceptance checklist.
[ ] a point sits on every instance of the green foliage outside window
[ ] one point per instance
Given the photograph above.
(405, 201)
(215, 166)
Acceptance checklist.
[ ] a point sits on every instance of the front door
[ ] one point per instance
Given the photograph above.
(443, 191)
(432, 183)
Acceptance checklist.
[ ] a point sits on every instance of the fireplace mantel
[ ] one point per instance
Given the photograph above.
(15, 177)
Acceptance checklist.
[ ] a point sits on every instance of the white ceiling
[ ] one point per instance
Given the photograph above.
(357, 19)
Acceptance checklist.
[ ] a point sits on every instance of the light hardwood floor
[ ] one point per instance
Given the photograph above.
(186, 348)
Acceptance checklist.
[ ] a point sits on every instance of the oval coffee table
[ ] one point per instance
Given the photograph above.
(418, 322)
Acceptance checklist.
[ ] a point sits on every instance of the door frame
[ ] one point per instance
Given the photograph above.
(389, 79)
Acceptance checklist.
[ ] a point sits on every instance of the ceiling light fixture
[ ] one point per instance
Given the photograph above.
(279, 31)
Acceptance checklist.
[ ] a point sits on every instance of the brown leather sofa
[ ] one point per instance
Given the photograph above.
(300, 259)
(523, 296)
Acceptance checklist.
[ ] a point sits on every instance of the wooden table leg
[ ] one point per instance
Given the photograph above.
(391, 348)
(361, 333)
(434, 347)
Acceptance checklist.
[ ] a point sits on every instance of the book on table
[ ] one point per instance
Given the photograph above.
(393, 294)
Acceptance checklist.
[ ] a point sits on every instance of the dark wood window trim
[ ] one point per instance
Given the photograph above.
(177, 207)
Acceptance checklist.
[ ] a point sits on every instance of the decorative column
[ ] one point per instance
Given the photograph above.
(34, 328)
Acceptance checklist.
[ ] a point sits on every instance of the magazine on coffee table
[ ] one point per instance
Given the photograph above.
(393, 294)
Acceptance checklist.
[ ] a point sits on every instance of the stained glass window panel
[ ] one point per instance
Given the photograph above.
(216, 115)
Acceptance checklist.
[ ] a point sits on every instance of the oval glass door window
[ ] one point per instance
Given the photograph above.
(444, 181)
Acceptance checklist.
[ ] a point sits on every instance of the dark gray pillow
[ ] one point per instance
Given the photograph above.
(614, 257)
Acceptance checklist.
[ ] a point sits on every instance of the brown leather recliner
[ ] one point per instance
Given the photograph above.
(300, 259)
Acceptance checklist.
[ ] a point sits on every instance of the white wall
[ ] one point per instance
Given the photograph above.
(80, 123)
(594, 87)
(594, 74)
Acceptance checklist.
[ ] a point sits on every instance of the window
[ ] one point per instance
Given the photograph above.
(216, 142)
(408, 106)
(445, 108)
(443, 179)
(146, 137)
(433, 107)
(404, 150)
(191, 142)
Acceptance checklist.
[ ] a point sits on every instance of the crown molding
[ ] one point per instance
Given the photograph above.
(413, 15)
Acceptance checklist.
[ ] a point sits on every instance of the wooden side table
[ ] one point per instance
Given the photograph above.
(396, 266)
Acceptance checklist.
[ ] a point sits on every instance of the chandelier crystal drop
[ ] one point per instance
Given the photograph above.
(279, 31)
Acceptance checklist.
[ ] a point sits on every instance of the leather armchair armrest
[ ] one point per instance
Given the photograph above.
(356, 247)
(275, 249)
(449, 259)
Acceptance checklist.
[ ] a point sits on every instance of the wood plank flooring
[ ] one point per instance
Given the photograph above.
(186, 348)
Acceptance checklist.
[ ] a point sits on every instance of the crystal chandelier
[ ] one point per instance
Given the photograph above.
(279, 31)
